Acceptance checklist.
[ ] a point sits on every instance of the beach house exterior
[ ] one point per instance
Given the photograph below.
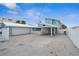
(50, 26)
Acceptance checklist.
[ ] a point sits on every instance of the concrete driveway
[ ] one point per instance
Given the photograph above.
(39, 45)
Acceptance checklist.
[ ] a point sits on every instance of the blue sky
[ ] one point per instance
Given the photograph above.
(32, 13)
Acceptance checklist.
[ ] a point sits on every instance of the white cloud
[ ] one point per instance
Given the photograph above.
(71, 16)
(12, 12)
(12, 6)
(32, 12)
(34, 15)
(71, 19)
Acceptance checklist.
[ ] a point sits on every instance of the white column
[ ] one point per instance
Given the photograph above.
(42, 30)
(51, 32)
(30, 30)
(54, 31)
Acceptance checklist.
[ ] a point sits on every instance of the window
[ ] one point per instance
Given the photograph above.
(48, 21)
(3, 18)
(54, 22)
(10, 19)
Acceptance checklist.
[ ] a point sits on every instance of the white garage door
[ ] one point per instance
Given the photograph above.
(18, 31)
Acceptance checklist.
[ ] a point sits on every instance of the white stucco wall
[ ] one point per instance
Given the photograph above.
(20, 30)
(5, 33)
(74, 36)
(44, 31)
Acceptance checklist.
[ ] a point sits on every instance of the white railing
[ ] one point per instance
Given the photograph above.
(73, 34)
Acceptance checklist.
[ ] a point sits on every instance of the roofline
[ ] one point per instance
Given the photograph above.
(16, 24)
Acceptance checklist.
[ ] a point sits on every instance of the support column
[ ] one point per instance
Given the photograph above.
(42, 30)
(54, 31)
(30, 30)
(51, 32)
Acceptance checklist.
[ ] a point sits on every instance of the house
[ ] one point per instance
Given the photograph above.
(50, 26)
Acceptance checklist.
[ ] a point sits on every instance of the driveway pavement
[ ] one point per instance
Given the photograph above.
(36, 44)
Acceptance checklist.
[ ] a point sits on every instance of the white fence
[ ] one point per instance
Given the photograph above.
(73, 34)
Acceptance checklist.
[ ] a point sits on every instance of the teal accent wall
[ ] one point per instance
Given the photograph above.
(52, 21)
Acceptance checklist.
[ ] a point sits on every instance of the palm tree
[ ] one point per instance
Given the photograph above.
(18, 21)
(23, 22)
